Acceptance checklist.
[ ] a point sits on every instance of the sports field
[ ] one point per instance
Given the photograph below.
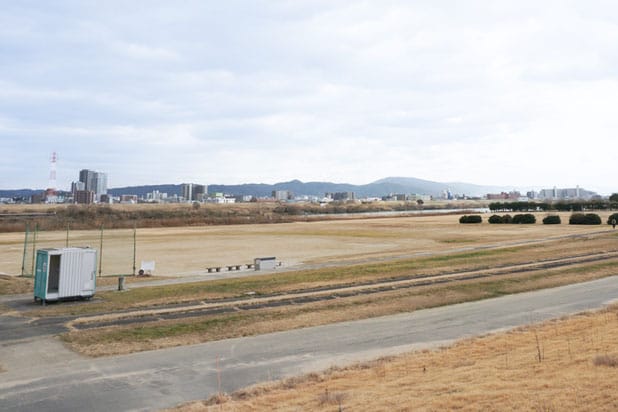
(190, 250)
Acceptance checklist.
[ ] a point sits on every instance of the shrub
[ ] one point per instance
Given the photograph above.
(552, 220)
(584, 219)
(494, 219)
(470, 219)
(497, 219)
(526, 218)
(612, 216)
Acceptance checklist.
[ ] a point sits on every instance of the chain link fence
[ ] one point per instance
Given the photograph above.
(116, 248)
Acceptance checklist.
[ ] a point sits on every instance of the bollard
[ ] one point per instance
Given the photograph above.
(120, 283)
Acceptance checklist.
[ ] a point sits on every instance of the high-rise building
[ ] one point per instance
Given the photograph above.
(100, 184)
(192, 192)
(87, 178)
(94, 181)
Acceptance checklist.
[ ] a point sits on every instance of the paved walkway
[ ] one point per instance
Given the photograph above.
(43, 375)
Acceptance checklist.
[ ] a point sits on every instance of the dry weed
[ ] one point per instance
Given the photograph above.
(331, 398)
(606, 360)
(471, 375)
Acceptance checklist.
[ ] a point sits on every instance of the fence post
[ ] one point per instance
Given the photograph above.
(23, 259)
(36, 231)
(134, 245)
(67, 244)
(101, 252)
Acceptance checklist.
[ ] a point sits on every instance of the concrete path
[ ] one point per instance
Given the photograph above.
(43, 375)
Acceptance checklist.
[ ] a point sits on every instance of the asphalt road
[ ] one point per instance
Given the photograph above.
(42, 375)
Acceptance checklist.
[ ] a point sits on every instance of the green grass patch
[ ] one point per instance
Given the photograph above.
(144, 333)
(223, 326)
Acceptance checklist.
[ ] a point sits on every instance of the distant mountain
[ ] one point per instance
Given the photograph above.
(295, 186)
(414, 185)
(378, 188)
(21, 193)
(382, 187)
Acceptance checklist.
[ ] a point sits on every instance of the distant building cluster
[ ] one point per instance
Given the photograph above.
(554, 194)
(282, 195)
(340, 196)
(192, 192)
(504, 196)
(566, 194)
(90, 188)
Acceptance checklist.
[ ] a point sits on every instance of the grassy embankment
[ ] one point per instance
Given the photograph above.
(81, 217)
(153, 335)
(564, 365)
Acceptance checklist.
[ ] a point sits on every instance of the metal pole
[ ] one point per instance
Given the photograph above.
(101, 251)
(67, 244)
(36, 231)
(134, 245)
(23, 260)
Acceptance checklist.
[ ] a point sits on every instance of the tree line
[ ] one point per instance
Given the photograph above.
(575, 206)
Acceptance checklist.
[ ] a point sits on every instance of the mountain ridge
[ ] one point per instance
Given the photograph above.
(379, 188)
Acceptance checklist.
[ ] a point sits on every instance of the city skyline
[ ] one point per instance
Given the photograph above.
(90, 180)
(483, 92)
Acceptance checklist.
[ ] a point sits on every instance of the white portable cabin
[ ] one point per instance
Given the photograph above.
(65, 273)
(265, 263)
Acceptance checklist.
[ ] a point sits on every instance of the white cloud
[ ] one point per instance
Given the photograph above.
(140, 51)
(327, 90)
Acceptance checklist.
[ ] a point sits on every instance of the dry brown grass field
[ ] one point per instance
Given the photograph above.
(564, 365)
(524, 369)
(189, 250)
(366, 251)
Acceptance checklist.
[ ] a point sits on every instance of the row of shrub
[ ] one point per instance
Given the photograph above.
(585, 219)
(508, 219)
(527, 218)
(470, 219)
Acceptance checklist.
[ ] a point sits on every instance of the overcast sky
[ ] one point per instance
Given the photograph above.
(513, 93)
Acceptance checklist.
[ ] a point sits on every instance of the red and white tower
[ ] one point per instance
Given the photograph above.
(51, 188)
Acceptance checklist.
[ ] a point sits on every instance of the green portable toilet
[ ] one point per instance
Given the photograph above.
(66, 273)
